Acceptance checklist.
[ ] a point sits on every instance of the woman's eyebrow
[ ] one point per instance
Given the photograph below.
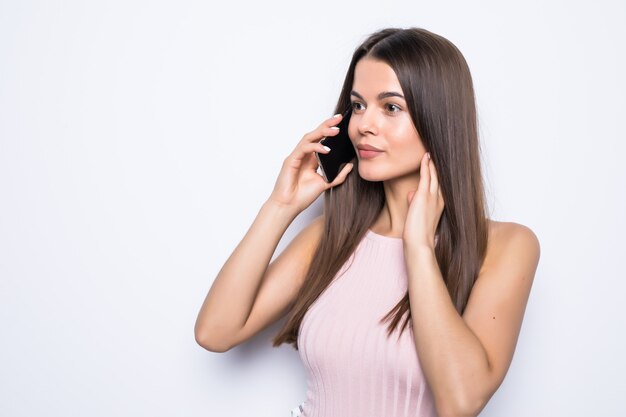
(381, 96)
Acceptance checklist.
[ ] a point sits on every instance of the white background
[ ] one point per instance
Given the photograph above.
(138, 140)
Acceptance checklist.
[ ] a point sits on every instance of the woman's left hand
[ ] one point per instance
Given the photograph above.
(425, 208)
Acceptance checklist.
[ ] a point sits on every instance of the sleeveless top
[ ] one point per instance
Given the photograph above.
(353, 368)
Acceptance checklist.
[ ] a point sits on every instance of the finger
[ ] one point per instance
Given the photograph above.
(423, 185)
(341, 176)
(332, 121)
(434, 181)
(410, 195)
(303, 150)
(311, 160)
(324, 129)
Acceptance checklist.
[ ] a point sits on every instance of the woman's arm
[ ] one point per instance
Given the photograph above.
(225, 312)
(466, 358)
(232, 294)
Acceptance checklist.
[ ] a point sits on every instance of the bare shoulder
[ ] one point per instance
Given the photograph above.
(312, 233)
(512, 239)
(301, 249)
(503, 232)
(317, 224)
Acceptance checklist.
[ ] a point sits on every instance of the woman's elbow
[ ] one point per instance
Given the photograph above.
(208, 344)
(460, 408)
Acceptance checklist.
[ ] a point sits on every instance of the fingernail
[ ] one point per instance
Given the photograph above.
(337, 115)
(428, 155)
(327, 148)
(334, 127)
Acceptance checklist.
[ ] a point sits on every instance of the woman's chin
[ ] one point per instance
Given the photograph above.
(381, 174)
(367, 175)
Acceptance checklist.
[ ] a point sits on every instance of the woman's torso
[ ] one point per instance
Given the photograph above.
(353, 368)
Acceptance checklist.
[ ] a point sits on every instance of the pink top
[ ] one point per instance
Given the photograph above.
(353, 368)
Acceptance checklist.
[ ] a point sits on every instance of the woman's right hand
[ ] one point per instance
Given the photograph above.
(298, 183)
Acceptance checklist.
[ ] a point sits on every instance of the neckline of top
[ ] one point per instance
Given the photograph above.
(383, 238)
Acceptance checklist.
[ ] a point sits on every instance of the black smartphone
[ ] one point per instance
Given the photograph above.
(341, 150)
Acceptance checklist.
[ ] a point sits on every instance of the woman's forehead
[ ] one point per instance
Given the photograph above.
(373, 78)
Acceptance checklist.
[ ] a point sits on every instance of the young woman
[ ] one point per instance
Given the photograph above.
(403, 298)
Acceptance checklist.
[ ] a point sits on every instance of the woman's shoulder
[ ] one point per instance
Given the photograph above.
(506, 235)
(507, 230)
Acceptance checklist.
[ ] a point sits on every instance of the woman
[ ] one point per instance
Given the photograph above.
(403, 237)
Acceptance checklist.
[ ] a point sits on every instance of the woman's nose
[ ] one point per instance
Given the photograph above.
(367, 122)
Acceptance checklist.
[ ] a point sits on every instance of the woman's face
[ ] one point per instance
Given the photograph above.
(382, 122)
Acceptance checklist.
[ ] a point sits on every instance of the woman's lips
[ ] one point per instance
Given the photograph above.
(365, 154)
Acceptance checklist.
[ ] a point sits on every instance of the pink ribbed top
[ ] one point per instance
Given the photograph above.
(353, 368)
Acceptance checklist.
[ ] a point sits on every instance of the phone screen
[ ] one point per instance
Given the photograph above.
(341, 150)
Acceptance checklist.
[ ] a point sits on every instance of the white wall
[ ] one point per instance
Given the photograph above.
(138, 141)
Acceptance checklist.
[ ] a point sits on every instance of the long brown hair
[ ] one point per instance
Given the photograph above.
(439, 92)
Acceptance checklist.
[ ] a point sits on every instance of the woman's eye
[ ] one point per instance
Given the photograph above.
(390, 107)
(354, 104)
